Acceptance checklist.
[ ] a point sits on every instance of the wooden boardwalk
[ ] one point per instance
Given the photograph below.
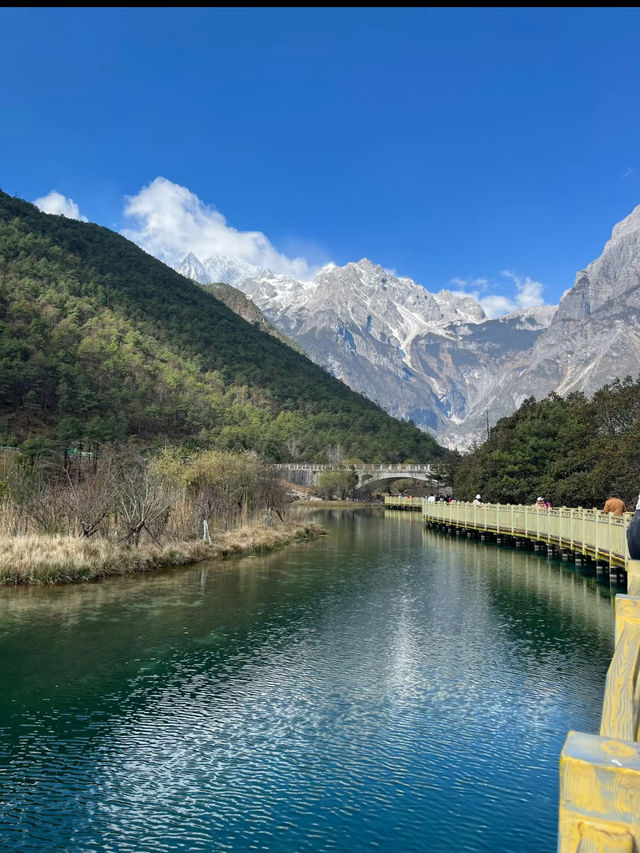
(599, 808)
(574, 533)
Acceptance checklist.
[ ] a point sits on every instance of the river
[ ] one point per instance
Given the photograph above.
(383, 688)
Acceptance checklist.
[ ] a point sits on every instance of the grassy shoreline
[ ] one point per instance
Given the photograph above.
(44, 560)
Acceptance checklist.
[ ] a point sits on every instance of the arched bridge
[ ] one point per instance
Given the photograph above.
(307, 474)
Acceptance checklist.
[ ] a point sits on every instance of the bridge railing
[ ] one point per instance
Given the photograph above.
(302, 466)
(601, 536)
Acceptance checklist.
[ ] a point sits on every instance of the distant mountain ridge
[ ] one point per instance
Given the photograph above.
(435, 358)
(430, 358)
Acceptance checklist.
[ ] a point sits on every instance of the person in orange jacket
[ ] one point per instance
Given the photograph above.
(614, 504)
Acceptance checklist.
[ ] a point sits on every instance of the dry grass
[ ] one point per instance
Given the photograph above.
(39, 559)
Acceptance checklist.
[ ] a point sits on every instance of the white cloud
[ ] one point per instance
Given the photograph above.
(528, 293)
(170, 221)
(56, 203)
(470, 285)
(496, 306)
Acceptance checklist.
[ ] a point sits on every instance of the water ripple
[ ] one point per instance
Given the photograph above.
(381, 690)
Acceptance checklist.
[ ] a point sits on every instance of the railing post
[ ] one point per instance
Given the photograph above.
(571, 511)
(599, 795)
(610, 531)
(633, 577)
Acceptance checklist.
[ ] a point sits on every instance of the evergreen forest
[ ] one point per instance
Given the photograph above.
(573, 451)
(100, 342)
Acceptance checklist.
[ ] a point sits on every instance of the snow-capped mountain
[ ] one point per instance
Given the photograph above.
(435, 357)
(424, 356)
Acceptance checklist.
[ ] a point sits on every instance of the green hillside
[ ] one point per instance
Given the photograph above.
(99, 341)
(248, 310)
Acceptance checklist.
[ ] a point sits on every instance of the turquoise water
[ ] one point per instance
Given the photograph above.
(384, 688)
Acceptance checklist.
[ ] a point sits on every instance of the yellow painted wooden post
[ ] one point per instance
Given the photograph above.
(599, 795)
(633, 577)
(620, 709)
(627, 610)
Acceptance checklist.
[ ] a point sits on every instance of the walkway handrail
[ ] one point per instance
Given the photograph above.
(400, 468)
(601, 536)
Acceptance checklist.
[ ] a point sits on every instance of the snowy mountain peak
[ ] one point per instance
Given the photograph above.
(459, 309)
(435, 357)
(229, 270)
(192, 268)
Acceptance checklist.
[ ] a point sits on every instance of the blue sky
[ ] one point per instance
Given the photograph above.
(482, 148)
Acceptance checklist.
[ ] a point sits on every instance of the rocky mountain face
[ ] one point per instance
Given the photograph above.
(595, 334)
(431, 358)
(435, 358)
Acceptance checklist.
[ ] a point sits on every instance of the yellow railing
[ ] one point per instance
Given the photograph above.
(600, 536)
(403, 503)
(599, 809)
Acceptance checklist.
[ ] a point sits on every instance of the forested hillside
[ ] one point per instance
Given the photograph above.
(248, 310)
(572, 451)
(100, 341)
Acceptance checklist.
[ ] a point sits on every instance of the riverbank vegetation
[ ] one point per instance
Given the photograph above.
(573, 451)
(66, 519)
(40, 559)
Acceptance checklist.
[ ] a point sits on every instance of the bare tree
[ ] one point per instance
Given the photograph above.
(91, 497)
(143, 501)
(294, 446)
(335, 454)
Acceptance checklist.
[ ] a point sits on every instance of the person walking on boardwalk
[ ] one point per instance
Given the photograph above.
(477, 501)
(614, 504)
(540, 504)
